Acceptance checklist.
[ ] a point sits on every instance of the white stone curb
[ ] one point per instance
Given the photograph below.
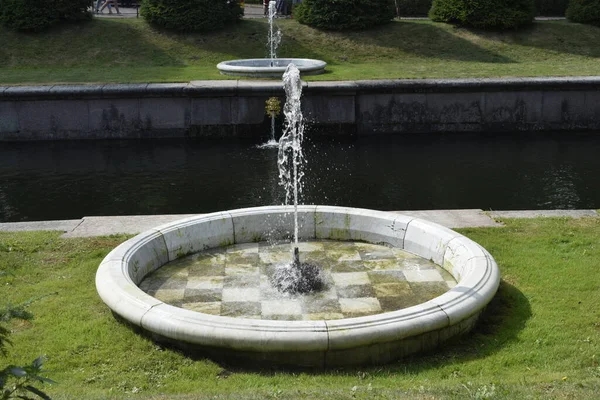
(261, 67)
(347, 341)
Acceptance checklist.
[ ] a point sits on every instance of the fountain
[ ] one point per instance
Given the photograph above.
(295, 277)
(220, 284)
(272, 108)
(271, 67)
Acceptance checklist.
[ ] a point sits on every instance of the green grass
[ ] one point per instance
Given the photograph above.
(539, 338)
(129, 50)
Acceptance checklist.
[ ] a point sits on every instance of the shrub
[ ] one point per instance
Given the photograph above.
(484, 14)
(414, 8)
(345, 14)
(551, 8)
(18, 382)
(584, 11)
(36, 15)
(191, 15)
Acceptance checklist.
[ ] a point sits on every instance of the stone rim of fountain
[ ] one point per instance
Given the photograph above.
(372, 339)
(262, 68)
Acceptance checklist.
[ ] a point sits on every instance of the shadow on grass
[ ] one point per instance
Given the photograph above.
(248, 39)
(562, 37)
(426, 40)
(498, 326)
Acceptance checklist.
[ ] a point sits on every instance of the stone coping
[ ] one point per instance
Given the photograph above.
(372, 339)
(134, 224)
(237, 87)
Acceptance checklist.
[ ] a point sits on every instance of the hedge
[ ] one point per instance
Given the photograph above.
(191, 15)
(551, 8)
(584, 11)
(484, 14)
(420, 8)
(36, 15)
(345, 14)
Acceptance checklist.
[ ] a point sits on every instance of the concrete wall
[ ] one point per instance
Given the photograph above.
(236, 108)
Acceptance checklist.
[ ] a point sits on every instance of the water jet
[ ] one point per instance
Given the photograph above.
(271, 67)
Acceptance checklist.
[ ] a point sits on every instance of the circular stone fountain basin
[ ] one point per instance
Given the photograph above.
(359, 279)
(369, 339)
(270, 68)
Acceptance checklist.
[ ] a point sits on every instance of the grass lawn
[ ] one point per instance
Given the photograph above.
(129, 50)
(539, 338)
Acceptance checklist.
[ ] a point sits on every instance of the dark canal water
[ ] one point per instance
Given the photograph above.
(64, 180)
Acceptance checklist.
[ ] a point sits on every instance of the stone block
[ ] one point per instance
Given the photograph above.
(115, 117)
(393, 326)
(55, 119)
(563, 107)
(249, 110)
(406, 109)
(473, 292)
(592, 104)
(165, 113)
(236, 333)
(428, 240)
(211, 88)
(328, 109)
(458, 252)
(121, 294)
(338, 223)
(124, 90)
(141, 254)
(211, 111)
(258, 88)
(165, 89)
(76, 92)
(456, 108)
(272, 223)
(9, 118)
(592, 109)
(188, 236)
(513, 108)
(24, 92)
(457, 329)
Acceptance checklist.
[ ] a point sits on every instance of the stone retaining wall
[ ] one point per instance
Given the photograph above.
(236, 108)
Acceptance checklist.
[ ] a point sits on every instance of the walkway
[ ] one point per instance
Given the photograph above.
(133, 224)
(256, 11)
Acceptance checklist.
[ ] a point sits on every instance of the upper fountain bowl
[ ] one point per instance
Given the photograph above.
(270, 68)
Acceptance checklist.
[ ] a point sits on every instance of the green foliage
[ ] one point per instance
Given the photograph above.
(341, 15)
(551, 8)
(584, 11)
(420, 8)
(484, 14)
(414, 8)
(36, 15)
(17, 382)
(191, 15)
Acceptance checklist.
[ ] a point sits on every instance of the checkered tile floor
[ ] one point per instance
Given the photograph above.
(361, 279)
